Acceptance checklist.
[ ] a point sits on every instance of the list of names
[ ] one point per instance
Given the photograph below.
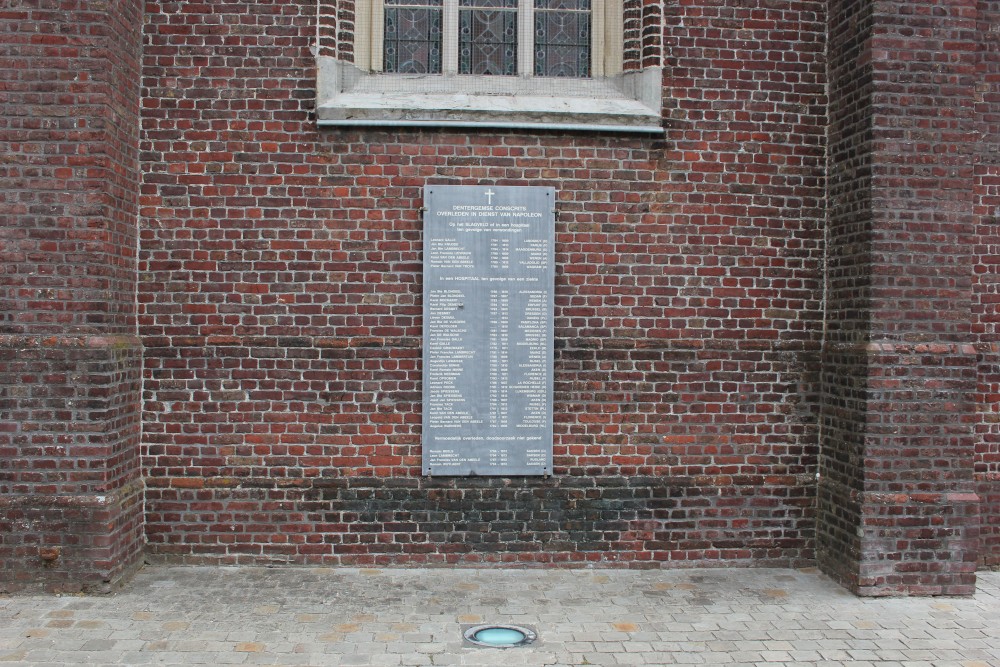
(488, 301)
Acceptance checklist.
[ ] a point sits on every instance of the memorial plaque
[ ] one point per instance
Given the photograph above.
(489, 277)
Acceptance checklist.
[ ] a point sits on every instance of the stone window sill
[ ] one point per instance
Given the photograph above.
(625, 103)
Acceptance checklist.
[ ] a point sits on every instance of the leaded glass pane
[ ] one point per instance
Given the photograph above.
(487, 37)
(578, 5)
(412, 37)
(488, 4)
(562, 38)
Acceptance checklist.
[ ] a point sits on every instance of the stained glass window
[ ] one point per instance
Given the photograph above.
(487, 37)
(412, 36)
(562, 38)
(481, 37)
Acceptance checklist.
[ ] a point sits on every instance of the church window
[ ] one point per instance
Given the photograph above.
(519, 64)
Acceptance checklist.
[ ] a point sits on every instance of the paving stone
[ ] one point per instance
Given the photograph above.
(323, 616)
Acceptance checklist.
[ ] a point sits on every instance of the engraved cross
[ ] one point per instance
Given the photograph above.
(489, 197)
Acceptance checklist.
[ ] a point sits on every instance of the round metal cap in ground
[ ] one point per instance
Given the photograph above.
(499, 636)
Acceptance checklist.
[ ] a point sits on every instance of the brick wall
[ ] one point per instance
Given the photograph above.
(699, 389)
(280, 309)
(70, 490)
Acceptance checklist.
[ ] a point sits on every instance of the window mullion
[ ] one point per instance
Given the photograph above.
(449, 38)
(526, 37)
(598, 33)
(611, 38)
(371, 20)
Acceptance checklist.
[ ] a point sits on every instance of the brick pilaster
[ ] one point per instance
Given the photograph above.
(70, 486)
(986, 304)
(897, 508)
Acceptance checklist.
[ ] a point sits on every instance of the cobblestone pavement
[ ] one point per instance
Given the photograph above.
(320, 616)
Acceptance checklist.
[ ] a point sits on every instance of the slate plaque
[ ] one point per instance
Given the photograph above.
(489, 277)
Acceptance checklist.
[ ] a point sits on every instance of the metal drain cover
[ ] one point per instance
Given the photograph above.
(498, 635)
